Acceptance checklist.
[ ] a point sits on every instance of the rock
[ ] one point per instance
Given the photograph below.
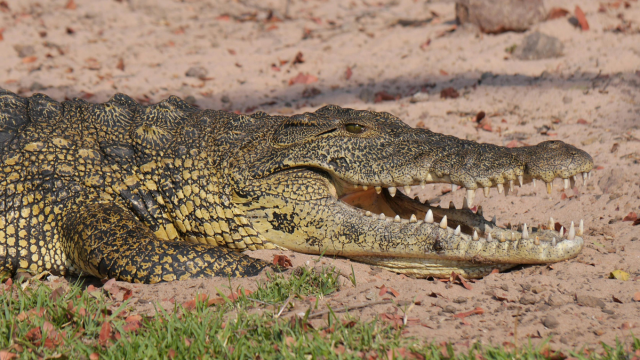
(558, 300)
(567, 99)
(197, 72)
(528, 299)
(24, 50)
(589, 301)
(504, 287)
(550, 322)
(496, 16)
(538, 46)
(419, 97)
(460, 300)
(450, 309)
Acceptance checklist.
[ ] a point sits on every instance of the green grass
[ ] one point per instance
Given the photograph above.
(70, 326)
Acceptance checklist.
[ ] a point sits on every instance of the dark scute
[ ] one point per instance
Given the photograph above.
(43, 109)
(120, 151)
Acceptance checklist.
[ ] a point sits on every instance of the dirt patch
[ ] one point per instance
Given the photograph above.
(395, 56)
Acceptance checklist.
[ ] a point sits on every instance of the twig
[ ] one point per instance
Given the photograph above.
(357, 306)
(284, 306)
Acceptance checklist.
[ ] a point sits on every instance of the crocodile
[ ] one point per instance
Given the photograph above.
(163, 192)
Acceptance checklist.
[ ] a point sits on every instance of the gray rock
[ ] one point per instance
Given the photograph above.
(24, 50)
(496, 16)
(558, 300)
(450, 309)
(550, 322)
(538, 46)
(589, 301)
(528, 299)
(197, 72)
(460, 300)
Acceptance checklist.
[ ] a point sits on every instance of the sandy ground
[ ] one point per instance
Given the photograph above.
(243, 55)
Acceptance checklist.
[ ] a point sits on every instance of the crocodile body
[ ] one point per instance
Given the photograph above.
(168, 192)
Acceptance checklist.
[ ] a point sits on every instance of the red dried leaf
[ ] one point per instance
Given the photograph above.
(71, 5)
(449, 93)
(91, 288)
(383, 290)
(120, 65)
(34, 334)
(495, 271)
(283, 261)
(636, 222)
(512, 144)
(425, 44)
(485, 124)
(29, 59)
(615, 299)
(299, 59)
(223, 18)
(462, 315)
(127, 295)
(94, 356)
(105, 333)
(582, 19)
(557, 12)
(4, 354)
(636, 296)
(442, 72)
(630, 217)
(384, 96)
(462, 280)
(583, 122)
(231, 51)
(171, 354)
(303, 79)
(348, 73)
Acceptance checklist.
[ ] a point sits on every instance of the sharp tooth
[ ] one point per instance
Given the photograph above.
(429, 217)
(520, 179)
(378, 189)
(457, 231)
(534, 182)
(452, 205)
(422, 184)
(392, 191)
(566, 184)
(407, 190)
(454, 187)
(368, 213)
(396, 219)
(549, 187)
(581, 228)
(513, 236)
(443, 223)
(584, 179)
(552, 224)
(525, 233)
(537, 241)
(572, 232)
(590, 174)
(510, 185)
(479, 212)
(500, 188)
(494, 220)
(487, 191)
(470, 195)
(561, 232)
(475, 236)
(489, 238)
(553, 242)
(486, 228)
(465, 203)
(365, 187)
(382, 216)
(413, 218)
(502, 238)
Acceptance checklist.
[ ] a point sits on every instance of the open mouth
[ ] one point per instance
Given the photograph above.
(468, 224)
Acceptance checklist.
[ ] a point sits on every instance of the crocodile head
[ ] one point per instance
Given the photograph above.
(327, 183)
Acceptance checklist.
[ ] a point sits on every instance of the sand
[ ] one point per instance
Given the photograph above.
(243, 55)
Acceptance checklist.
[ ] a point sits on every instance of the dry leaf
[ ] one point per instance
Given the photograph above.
(449, 93)
(6, 355)
(636, 296)
(120, 65)
(71, 5)
(94, 356)
(619, 274)
(303, 79)
(582, 122)
(283, 261)
(105, 333)
(630, 217)
(348, 73)
(299, 59)
(582, 19)
(384, 96)
(462, 315)
(557, 12)
(29, 59)
(615, 299)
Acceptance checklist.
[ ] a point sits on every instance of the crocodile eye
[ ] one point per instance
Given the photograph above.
(355, 128)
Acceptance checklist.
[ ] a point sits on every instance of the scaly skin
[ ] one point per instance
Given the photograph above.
(167, 192)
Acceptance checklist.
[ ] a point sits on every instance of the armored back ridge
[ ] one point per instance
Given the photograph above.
(166, 192)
